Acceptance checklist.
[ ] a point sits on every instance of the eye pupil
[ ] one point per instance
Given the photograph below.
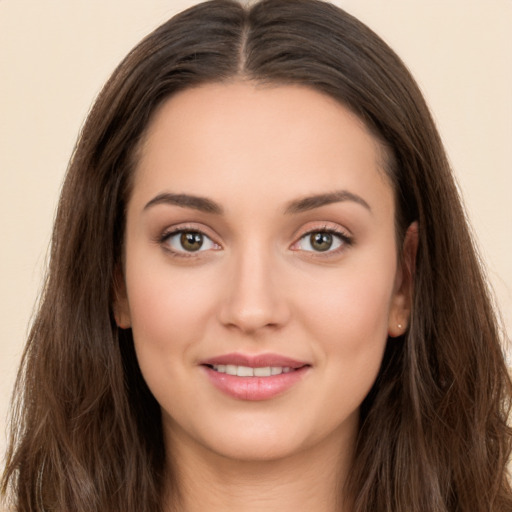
(191, 241)
(321, 241)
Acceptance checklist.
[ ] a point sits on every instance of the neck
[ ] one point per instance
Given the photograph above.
(310, 480)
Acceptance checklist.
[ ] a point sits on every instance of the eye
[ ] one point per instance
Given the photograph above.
(321, 241)
(188, 241)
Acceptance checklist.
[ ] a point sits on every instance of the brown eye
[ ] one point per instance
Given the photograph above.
(186, 241)
(327, 241)
(191, 241)
(321, 241)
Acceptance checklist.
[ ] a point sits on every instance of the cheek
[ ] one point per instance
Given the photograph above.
(352, 308)
(169, 310)
(349, 318)
(351, 325)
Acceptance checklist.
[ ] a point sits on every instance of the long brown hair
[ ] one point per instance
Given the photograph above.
(86, 431)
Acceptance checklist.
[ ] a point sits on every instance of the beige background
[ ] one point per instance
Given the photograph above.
(55, 55)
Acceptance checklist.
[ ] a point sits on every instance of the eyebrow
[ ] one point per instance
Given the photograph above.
(318, 200)
(304, 204)
(186, 201)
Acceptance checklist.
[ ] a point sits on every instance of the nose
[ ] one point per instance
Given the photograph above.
(254, 298)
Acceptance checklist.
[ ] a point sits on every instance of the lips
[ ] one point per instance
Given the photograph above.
(247, 371)
(255, 361)
(254, 377)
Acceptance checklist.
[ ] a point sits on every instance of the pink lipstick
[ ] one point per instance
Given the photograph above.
(254, 377)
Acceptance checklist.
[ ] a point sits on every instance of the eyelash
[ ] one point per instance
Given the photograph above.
(163, 240)
(344, 241)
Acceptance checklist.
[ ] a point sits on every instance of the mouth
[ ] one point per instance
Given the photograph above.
(248, 371)
(254, 378)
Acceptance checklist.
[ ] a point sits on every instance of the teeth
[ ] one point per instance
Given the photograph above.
(247, 371)
(244, 371)
(263, 372)
(231, 369)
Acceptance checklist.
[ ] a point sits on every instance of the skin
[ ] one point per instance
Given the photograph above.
(257, 285)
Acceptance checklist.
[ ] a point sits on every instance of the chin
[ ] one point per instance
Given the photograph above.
(252, 439)
(256, 449)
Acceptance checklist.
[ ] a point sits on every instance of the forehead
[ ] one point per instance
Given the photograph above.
(277, 142)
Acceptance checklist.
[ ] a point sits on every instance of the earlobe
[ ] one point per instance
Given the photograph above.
(121, 307)
(401, 306)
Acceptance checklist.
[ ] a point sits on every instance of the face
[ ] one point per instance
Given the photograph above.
(261, 272)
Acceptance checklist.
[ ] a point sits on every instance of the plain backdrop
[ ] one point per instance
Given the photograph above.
(56, 54)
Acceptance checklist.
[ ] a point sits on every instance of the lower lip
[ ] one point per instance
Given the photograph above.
(255, 388)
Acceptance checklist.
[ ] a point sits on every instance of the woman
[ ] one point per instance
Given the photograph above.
(262, 291)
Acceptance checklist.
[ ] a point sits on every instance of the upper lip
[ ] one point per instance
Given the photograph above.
(255, 360)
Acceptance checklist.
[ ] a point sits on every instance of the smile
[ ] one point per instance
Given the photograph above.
(247, 371)
(254, 377)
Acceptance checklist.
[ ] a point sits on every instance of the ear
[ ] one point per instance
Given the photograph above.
(401, 304)
(121, 306)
